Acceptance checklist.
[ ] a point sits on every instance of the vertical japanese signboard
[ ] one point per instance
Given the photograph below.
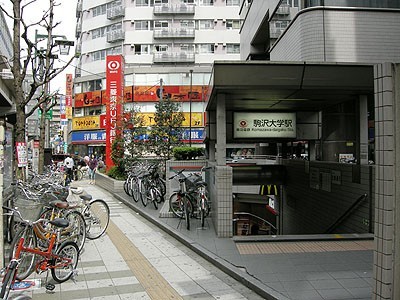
(22, 154)
(68, 96)
(114, 96)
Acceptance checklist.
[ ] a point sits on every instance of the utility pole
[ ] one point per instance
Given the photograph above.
(190, 108)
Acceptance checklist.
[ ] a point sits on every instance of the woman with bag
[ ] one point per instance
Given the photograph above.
(92, 169)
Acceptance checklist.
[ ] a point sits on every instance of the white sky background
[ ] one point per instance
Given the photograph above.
(65, 13)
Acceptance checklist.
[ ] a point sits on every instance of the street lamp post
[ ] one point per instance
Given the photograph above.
(190, 108)
(45, 63)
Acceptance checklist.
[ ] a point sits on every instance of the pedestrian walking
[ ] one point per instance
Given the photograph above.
(92, 169)
(69, 169)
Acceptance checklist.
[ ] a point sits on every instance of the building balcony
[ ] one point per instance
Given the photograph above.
(181, 33)
(115, 12)
(283, 10)
(173, 57)
(183, 9)
(115, 36)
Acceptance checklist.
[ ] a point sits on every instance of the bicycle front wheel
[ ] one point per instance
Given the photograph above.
(128, 185)
(27, 259)
(97, 217)
(176, 205)
(143, 192)
(135, 190)
(66, 261)
(6, 286)
(153, 196)
(76, 231)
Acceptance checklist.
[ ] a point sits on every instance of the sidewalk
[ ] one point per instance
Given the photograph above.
(290, 267)
(271, 268)
(136, 260)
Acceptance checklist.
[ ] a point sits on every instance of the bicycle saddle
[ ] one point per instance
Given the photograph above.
(59, 222)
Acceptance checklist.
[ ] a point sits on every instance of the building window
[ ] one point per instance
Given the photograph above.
(99, 55)
(232, 2)
(142, 2)
(206, 24)
(233, 48)
(160, 2)
(93, 111)
(187, 23)
(187, 47)
(207, 2)
(99, 32)
(142, 49)
(161, 48)
(141, 25)
(188, 1)
(206, 48)
(99, 10)
(233, 24)
(161, 24)
(114, 50)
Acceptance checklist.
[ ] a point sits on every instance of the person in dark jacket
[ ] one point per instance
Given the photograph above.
(92, 169)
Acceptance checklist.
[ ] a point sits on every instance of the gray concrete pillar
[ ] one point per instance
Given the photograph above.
(221, 130)
(386, 269)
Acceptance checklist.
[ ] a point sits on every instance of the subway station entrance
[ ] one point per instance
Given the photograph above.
(314, 122)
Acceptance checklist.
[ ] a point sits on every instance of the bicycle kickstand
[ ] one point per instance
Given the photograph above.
(49, 286)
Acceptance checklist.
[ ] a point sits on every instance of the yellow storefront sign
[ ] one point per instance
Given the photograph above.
(85, 123)
(197, 119)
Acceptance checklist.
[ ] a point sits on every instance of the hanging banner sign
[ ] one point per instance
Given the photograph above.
(264, 125)
(22, 154)
(68, 96)
(114, 97)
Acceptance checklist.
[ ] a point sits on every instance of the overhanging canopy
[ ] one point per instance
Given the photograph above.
(287, 86)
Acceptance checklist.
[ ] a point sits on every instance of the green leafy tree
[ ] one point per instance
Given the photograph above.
(167, 131)
(134, 132)
(117, 151)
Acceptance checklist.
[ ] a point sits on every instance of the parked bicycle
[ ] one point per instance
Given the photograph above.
(60, 259)
(191, 200)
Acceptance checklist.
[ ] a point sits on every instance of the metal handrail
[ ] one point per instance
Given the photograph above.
(255, 217)
(347, 213)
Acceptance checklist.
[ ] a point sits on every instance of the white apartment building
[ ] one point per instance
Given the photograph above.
(173, 40)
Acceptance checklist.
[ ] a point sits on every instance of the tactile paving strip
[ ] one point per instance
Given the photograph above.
(154, 284)
(304, 246)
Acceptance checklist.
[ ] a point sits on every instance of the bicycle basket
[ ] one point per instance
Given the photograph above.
(29, 209)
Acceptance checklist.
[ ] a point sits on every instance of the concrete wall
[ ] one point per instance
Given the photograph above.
(340, 35)
(318, 193)
(253, 20)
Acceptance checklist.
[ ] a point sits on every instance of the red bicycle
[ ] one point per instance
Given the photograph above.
(60, 259)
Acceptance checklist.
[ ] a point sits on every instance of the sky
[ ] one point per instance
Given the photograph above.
(65, 13)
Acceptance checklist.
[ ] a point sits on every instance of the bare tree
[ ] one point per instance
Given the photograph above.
(28, 57)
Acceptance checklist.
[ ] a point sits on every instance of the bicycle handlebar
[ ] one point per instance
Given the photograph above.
(177, 173)
(18, 213)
